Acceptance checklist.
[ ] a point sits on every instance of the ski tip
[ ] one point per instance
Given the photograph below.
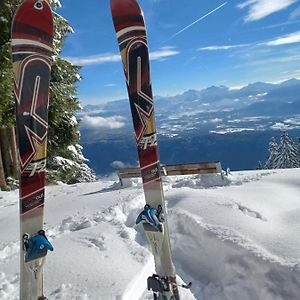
(34, 20)
(126, 11)
(125, 7)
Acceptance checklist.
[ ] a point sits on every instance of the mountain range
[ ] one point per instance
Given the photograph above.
(216, 123)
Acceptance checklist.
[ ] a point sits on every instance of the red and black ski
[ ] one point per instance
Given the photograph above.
(132, 39)
(31, 38)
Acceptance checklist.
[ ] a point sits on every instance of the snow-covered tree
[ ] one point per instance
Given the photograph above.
(71, 170)
(65, 159)
(7, 10)
(287, 157)
(259, 166)
(273, 153)
(63, 134)
(298, 151)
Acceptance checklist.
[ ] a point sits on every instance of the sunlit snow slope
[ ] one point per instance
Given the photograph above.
(236, 238)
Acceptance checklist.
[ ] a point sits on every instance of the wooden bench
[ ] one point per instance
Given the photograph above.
(171, 170)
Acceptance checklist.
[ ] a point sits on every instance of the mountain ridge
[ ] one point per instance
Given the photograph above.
(213, 93)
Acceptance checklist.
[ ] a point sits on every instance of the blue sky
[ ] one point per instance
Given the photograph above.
(193, 44)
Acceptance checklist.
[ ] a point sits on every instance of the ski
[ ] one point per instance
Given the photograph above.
(132, 39)
(31, 38)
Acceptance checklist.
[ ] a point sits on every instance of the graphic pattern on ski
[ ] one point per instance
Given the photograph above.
(131, 34)
(32, 36)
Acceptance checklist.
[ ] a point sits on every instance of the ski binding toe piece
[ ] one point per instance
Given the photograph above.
(151, 216)
(36, 246)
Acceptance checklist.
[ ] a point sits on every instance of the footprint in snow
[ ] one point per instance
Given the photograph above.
(8, 202)
(96, 243)
(70, 292)
(7, 251)
(245, 210)
(72, 224)
(251, 213)
(9, 289)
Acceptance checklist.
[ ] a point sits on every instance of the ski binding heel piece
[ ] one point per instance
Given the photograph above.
(186, 286)
(36, 246)
(162, 285)
(158, 284)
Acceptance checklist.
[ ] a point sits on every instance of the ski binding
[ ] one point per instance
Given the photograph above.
(161, 285)
(36, 246)
(158, 284)
(151, 216)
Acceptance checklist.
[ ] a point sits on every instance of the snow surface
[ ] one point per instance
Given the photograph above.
(236, 238)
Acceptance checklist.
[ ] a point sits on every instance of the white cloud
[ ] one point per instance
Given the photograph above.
(259, 9)
(117, 164)
(94, 59)
(114, 122)
(222, 47)
(163, 53)
(273, 60)
(109, 58)
(291, 38)
(287, 39)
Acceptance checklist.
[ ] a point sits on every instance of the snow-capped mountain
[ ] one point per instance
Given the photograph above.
(197, 126)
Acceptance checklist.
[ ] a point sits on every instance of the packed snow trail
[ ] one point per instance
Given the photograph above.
(236, 241)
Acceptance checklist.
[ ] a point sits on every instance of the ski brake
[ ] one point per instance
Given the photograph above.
(160, 285)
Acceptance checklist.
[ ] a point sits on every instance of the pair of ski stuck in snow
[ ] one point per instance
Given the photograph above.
(32, 38)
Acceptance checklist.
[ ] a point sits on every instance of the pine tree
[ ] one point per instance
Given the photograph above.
(298, 151)
(65, 159)
(7, 10)
(64, 133)
(259, 166)
(287, 157)
(273, 153)
(7, 99)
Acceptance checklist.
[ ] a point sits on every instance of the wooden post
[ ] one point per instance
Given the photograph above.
(6, 152)
(14, 152)
(3, 185)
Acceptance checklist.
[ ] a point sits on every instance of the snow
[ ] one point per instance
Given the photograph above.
(3, 19)
(234, 238)
(56, 3)
(282, 126)
(231, 130)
